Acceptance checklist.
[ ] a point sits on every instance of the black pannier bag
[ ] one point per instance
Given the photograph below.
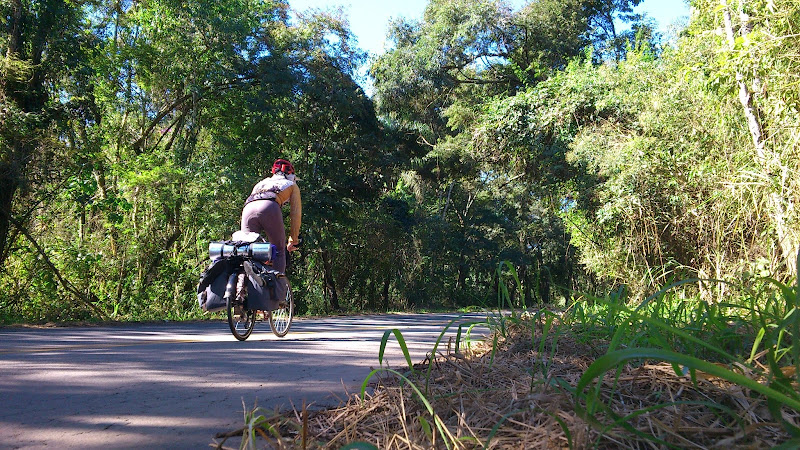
(266, 287)
(211, 288)
(212, 299)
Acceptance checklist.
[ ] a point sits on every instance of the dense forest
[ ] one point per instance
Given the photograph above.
(568, 139)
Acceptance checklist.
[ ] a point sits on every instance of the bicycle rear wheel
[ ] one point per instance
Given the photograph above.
(240, 320)
(281, 319)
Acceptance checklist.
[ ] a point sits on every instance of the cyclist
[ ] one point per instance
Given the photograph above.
(262, 210)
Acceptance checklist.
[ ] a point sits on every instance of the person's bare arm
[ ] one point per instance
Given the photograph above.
(295, 218)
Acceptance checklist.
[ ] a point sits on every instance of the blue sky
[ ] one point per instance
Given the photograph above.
(369, 19)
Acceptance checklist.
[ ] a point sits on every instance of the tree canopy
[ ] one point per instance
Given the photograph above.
(586, 154)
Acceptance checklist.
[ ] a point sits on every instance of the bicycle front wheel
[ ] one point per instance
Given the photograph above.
(240, 320)
(281, 319)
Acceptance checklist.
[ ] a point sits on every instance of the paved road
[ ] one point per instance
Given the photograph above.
(175, 385)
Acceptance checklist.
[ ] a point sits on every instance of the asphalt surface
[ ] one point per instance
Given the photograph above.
(175, 385)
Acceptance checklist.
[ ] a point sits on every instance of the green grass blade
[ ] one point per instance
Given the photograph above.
(613, 359)
(774, 408)
(756, 343)
(470, 326)
(400, 340)
(436, 347)
(496, 426)
(436, 420)
(711, 405)
(685, 335)
(426, 427)
(502, 292)
(359, 446)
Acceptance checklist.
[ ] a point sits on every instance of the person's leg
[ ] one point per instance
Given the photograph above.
(266, 216)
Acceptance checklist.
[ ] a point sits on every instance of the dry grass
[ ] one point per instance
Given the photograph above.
(521, 399)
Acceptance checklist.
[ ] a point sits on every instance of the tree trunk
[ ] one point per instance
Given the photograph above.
(386, 292)
(174, 220)
(525, 290)
(27, 97)
(745, 94)
(371, 294)
(9, 177)
(15, 36)
(330, 283)
(777, 202)
(463, 270)
(8, 188)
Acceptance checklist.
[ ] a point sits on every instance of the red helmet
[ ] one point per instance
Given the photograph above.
(282, 165)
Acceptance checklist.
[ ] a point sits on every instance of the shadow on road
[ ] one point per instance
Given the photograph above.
(176, 385)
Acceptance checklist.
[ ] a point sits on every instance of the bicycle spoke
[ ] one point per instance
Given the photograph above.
(240, 321)
(281, 319)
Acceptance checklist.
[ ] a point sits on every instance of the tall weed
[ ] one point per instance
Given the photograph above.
(751, 341)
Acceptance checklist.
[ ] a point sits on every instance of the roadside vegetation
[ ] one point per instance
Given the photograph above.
(672, 372)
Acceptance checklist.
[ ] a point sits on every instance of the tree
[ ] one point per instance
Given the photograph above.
(756, 67)
(665, 177)
(173, 112)
(436, 84)
(43, 44)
